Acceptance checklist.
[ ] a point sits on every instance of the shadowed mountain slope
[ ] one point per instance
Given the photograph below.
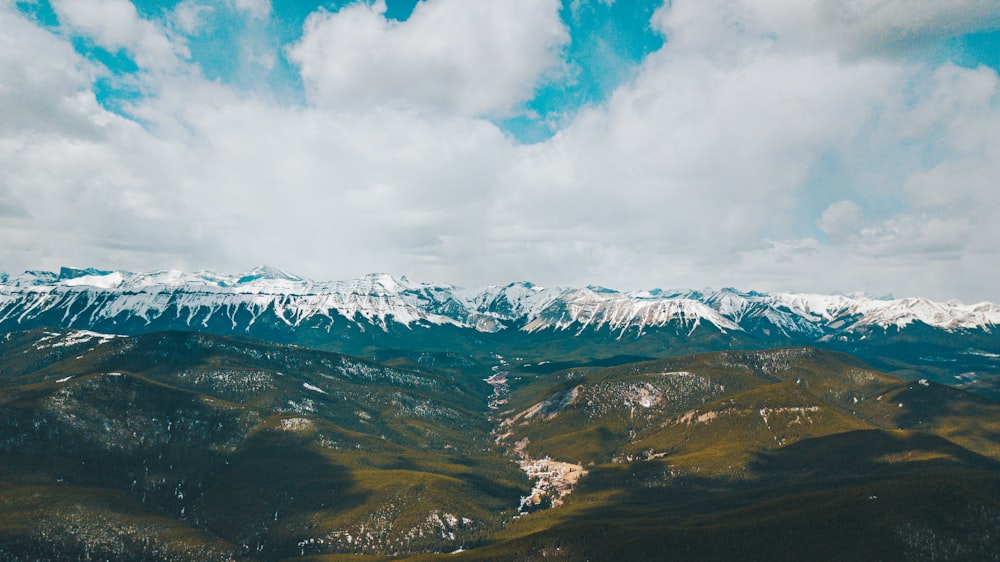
(188, 446)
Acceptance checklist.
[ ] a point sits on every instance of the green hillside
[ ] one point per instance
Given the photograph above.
(186, 446)
(246, 450)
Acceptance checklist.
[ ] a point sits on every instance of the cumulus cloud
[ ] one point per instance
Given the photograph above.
(45, 87)
(115, 25)
(916, 235)
(474, 57)
(217, 179)
(189, 16)
(696, 158)
(841, 219)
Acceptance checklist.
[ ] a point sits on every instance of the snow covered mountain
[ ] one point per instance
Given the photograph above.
(120, 301)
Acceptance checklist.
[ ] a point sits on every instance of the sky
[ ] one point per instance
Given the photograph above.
(813, 146)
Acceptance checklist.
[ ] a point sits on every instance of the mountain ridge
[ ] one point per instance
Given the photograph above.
(381, 299)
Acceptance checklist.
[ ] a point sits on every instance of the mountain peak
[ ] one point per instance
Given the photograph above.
(388, 282)
(267, 272)
(75, 272)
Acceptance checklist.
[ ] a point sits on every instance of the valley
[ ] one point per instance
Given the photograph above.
(187, 446)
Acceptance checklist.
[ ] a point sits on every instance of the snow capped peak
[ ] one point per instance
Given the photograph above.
(266, 272)
(949, 315)
(601, 290)
(83, 298)
(166, 278)
(586, 308)
(99, 279)
(30, 278)
(387, 282)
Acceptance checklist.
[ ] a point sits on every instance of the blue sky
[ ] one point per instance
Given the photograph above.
(803, 145)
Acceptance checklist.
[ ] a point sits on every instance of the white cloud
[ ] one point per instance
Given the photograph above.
(257, 9)
(807, 265)
(189, 16)
(841, 219)
(77, 180)
(887, 25)
(474, 57)
(115, 25)
(44, 85)
(697, 158)
(909, 236)
(852, 28)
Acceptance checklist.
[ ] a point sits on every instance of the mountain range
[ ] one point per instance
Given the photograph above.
(948, 342)
(88, 298)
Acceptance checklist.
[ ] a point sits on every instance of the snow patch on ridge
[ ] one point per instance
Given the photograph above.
(75, 337)
(313, 388)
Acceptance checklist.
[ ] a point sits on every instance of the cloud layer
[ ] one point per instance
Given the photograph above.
(472, 57)
(810, 146)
